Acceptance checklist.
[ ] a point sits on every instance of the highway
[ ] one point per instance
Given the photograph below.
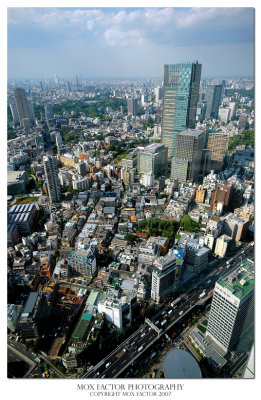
(132, 348)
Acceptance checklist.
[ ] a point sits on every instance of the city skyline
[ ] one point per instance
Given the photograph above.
(128, 42)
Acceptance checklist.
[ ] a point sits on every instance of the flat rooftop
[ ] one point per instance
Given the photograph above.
(190, 132)
(241, 281)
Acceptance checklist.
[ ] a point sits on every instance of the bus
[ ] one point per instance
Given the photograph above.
(176, 302)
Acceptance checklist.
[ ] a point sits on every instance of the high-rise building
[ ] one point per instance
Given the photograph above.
(213, 97)
(189, 146)
(153, 159)
(25, 114)
(180, 98)
(14, 113)
(224, 114)
(201, 111)
(163, 277)
(132, 106)
(217, 144)
(232, 308)
(51, 174)
(158, 94)
(48, 110)
(222, 245)
(233, 108)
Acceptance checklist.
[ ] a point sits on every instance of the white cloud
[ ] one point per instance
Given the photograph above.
(118, 37)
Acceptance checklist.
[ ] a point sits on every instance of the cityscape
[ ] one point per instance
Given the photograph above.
(130, 217)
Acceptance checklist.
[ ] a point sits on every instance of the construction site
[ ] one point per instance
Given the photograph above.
(67, 306)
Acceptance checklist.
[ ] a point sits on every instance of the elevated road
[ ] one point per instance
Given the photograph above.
(132, 348)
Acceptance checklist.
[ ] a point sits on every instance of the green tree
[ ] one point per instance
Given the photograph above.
(130, 237)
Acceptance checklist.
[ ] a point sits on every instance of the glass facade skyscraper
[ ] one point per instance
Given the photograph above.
(180, 97)
(213, 97)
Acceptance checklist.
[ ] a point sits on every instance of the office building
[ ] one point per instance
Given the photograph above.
(83, 262)
(147, 180)
(201, 111)
(189, 146)
(51, 174)
(158, 94)
(224, 114)
(179, 169)
(48, 110)
(222, 245)
(235, 227)
(33, 315)
(217, 144)
(112, 308)
(133, 106)
(196, 254)
(163, 277)
(152, 159)
(232, 308)
(13, 314)
(213, 97)
(180, 98)
(14, 113)
(24, 110)
(233, 107)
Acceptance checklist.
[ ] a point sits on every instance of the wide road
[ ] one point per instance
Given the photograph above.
(115, 363)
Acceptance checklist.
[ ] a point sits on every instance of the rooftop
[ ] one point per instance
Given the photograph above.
(190, 132)
(240, 281)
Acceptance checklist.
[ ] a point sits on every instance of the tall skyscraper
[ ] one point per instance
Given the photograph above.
(213, 97)
(232, 309)
(132, 106)
(189, 147)
(180, 97)
(51, 173)
(24, 109)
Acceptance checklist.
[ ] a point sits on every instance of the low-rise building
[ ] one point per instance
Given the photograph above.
(83, 262)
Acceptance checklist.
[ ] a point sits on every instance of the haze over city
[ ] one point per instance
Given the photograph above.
(128, 42)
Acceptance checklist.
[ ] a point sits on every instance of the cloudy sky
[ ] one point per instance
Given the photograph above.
(128, 42)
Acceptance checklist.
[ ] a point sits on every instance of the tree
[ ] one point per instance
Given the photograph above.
(130, 237)
(188, 224)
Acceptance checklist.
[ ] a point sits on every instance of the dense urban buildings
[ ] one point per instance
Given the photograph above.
(180, 97)
(128, 212)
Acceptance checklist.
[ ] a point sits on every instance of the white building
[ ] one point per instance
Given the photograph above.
(232, 307)
(113, 311)
(222, 245)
